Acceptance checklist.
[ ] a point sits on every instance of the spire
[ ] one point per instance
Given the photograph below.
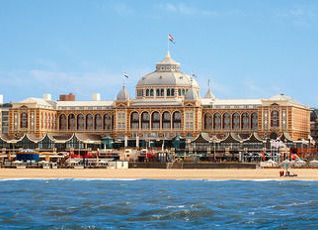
(209, 94)
(168, 54)
(123, 94)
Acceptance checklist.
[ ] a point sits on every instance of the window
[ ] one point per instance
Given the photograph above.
(98, 122)
(275, 119)
(236, 121)
(121, 125)
(147, 92)
(208, 121)
(145, 119)
(284, 119)
(139, 93)
(151, 92)
(15, 121)
(108, 122)
(177, 120)
(63, 122)
(226, 121)
(179, 92)
(189, 125)
(89, 122)
(162, 91)
(134, 120)
(24, 120)
(80, 122)
(168, 92)
(254, 121)
(265, 119)
(155, 120)
(217, 121)
(121, 115)
(172, 92)
(245, 121)
(166, 120)
(158, 92)
(32, 120)
(189, 115)
(71, 122)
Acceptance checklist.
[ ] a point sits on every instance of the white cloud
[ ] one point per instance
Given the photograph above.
(186, 9)
(300, 15)
(33, 83)
(123, 10)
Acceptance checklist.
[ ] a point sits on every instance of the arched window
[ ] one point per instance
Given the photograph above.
(145, 119)
(45, 120)
(80, 122)
(183, 92)
(162, 91)
(177, 120)
(89, 122)
(49, 121)
(208, 121)
(275, 119)
(155, 120)
(172, 92)
(71, 122)
(98, 122)
(147, 92)
(108, 122)
(24, 120)
(151, 92)
(158, 92)
(134, 120)
(179, 92)
(63, 122)
(236, 121)
(226, 121)
(168, 92)
(166, 120)
(217, 121)
(245, 121)
(254, 121)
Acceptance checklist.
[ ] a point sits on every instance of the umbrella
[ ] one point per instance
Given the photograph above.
(287, 164)
(313, 163)
(300, 163)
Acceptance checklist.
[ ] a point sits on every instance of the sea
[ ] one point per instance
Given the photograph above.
(157, 204)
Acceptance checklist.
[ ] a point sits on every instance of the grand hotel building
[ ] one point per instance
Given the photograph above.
(167, 103)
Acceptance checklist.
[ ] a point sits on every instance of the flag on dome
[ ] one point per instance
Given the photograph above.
(125, 75)
(171, 39)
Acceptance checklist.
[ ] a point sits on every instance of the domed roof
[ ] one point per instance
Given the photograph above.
(123, 94)
(167, 74)
(283, 97)
(209, 95)
(191, 95)
(280, 97)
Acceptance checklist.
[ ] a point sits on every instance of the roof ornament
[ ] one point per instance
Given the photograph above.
(209, 94)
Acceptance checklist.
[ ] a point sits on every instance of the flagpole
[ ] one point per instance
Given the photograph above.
(168, 43)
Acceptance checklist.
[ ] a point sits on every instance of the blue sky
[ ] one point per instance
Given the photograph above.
(248, 48)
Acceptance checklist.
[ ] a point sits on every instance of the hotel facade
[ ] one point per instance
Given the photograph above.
(167, 103)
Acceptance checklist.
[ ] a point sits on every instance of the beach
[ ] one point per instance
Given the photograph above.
(158, 174)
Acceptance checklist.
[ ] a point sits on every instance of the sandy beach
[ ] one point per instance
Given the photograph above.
(168, 174)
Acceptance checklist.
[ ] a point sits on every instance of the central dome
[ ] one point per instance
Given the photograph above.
(167, 74)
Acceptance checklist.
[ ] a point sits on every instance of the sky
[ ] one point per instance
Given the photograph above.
(247, 48)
